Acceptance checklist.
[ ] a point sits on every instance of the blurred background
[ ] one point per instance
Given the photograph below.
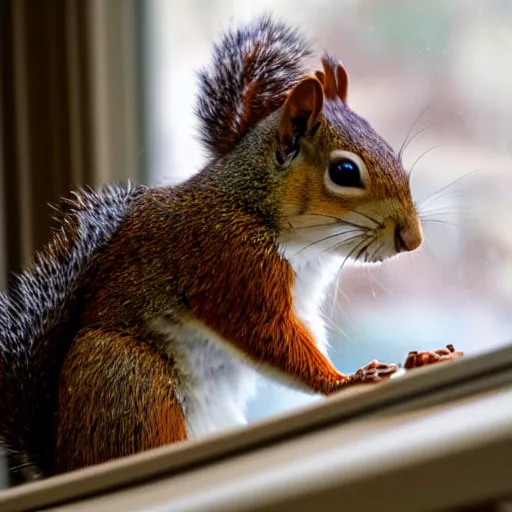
(100, 90)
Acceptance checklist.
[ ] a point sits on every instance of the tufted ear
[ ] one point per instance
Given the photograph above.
(334, 79)
(300, 113)
(342, 82)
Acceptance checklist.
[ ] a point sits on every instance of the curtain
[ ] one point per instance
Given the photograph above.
(70, 110)
(71, 114)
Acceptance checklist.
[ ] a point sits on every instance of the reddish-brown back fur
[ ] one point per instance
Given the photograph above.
(117, 390)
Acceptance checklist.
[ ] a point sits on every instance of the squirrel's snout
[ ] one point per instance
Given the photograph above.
(407, 237)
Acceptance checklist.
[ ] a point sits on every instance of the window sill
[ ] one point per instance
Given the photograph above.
(364, 447)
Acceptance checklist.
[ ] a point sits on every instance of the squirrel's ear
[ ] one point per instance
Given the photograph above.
(321, 76)
(300, 113)
(334, 79)
(342, 82)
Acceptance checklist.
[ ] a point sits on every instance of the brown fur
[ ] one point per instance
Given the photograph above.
(257, 300)
(211, 250)
(208, 249)
(340, 129)
(117, 392)
(116, 397)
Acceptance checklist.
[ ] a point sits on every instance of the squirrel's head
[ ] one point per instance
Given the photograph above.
(346, 190)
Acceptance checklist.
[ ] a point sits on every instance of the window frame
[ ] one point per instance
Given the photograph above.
(424, 392)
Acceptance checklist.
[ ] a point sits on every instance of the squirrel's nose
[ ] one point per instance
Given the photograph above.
(407, 237)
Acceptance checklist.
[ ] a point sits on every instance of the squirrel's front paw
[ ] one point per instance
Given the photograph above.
(416, 359)
(373, 372)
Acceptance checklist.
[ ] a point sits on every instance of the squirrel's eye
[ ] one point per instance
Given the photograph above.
(345, 173)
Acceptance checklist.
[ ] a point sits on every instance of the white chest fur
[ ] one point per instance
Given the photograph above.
(312, 280)
(215, 382)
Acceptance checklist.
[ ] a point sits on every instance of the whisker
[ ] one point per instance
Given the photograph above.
(331, 324)
(431, 252)
(412, 257)
(365, 248)
(454, 225)
(448, 207)
(353, 224)
(356, 345)
(370, 277)
(339, 244)
(345, 296)
(436, 194)
(377, 250)
(439, 221)
(358, 260)
(370, 271)
(418, 117)
(388, 291)
(361, 252)
(426, 215)
(329, 237)
(420, 157)
(342, 266)
(337, 290)
(347, 222)
(377, 223)
(335, 246)
(444, 192)
(339, 219)
(431, 238)
(314, 226)
(424, 129)
(361, 247)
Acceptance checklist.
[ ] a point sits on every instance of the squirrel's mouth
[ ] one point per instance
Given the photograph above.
(306, 237)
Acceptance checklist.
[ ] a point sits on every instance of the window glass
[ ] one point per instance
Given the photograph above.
(436, 75)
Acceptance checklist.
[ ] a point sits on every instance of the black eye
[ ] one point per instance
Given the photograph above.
(345, 173)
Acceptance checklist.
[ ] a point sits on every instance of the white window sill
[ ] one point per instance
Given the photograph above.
(438, 437)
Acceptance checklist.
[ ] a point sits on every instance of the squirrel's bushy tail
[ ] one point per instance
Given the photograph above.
(32, 315)
(253, 68)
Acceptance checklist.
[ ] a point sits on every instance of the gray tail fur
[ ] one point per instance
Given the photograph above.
(32, 313)
(252, 69)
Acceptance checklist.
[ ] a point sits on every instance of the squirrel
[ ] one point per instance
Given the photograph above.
(150, 313)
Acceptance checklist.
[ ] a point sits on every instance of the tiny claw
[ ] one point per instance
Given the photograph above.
(416, 359)
(374, 372)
